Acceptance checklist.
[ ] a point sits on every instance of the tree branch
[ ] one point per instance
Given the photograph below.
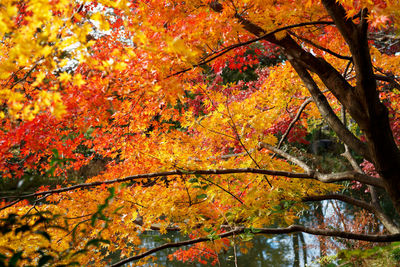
(295, 119)
(325, 178)
(349, 175)
(384, 153)
(11, 204)
(329, 115)
(320, 47)
(234, 128)
(287, 156)
(338, 14)
(302, 61)
(387, 222)
(374, 209)
(390, 79)
(211, 57)
(268, 231)
(344, 198)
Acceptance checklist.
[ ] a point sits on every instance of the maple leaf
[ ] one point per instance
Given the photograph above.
(65, 77)
(214, 118)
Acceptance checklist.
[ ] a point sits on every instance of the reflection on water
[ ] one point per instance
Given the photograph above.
(297, 250)
(276, 251)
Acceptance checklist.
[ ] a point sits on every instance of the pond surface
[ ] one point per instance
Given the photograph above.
(295, 250)
(277, 251)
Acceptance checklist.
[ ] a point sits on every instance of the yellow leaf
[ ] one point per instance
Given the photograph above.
(64, 77)
(280, 35)
(39, 79)
(120, 66)
(78, 81)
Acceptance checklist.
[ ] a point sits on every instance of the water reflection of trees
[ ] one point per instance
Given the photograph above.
(274, 251)
(281, 250)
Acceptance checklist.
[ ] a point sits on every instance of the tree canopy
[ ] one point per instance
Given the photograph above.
(214, 118)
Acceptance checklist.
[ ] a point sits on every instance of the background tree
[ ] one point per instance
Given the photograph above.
(202, 112)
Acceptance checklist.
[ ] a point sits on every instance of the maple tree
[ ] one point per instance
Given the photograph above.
(202, 111)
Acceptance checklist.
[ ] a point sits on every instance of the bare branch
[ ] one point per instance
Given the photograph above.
(326, 178)
(27, 74)
(287, 230)
(320, 47)
(223, 189)
(386, 78)
(10, 204)
(344, 198)
(349, 175)
(387, 222)
(211, 57)
(375, 209)
(295, 119)
(287, 156)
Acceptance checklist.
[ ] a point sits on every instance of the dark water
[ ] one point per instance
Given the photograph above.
(277, 251)
(294, 250)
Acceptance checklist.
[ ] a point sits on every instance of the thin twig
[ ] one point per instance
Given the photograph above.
(320, 47)
(296, 118)
(223, 189)
(211, 57)
(11, 204)
(234, 128)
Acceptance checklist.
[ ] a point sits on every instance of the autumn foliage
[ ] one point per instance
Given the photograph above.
(199, 116)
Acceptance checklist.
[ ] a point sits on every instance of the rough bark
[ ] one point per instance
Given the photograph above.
(362, 101)
(383, 149)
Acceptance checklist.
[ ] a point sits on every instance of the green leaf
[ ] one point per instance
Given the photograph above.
(254, 230)
(246, 237)
(193, 180)
(201, 196)
(213, 236)
(208, 230)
